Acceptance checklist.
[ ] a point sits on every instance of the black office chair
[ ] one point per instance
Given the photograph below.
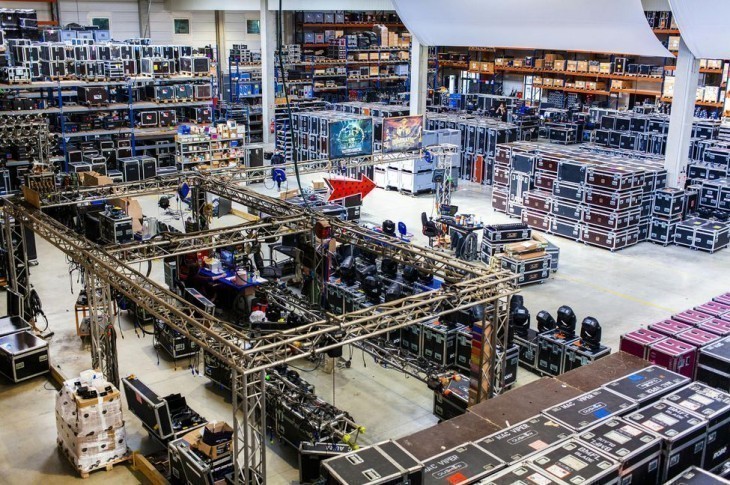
(429, 229)
(273, 271)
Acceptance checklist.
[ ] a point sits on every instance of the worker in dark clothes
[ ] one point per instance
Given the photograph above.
(502, 112)
(277, 160)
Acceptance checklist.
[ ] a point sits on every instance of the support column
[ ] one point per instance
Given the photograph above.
(220, 39)
(18, 284)
(419, 77)
(249, 427)
(686, 76)
(268, 78)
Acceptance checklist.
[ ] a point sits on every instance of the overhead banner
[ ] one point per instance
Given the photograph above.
(703, 24)
(402, 133)
(617, 27)
(350, 138)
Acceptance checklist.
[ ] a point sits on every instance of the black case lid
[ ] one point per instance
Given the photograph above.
(590, 408)
(576, 462)
(666, 420)
(647, 384)
(515, 443)
(619, 439)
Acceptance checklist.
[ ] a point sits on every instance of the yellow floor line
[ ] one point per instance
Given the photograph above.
(616, 293)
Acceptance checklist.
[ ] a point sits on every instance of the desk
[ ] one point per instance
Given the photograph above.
(230, 279)
(469, 250)
(375, 228)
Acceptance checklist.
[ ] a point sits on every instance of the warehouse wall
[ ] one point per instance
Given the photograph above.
(123, 15)
(235, 27)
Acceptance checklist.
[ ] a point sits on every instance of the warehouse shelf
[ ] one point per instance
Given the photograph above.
(572, 90)
(643, 92)
(666, 31)
(352, 25)
(703, 70)
(707, 104)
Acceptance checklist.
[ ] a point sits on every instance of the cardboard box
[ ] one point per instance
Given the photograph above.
(571, 66)
(604, 68)
(580, 84)
(93, 179)
(288, 194)
(474, 66)
(215, 439)
(559, 65)
(319, 185)
(486, 67)
(582, 66)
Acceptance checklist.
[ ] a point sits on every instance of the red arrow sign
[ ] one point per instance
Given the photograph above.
(341, 188)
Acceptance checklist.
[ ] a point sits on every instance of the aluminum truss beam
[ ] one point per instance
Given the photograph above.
(17, 264)
(101, 322)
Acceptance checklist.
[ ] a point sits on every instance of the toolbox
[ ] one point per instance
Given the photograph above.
(575, 462)
(572, 172)
(504, 233)
(518, 442)
(453, 400)
(10, 325)
(93, 95)
(439, 342)
(637, 450)
(551, 351)
(590, 408)
(577, 355)
(528, 346)
(669, 327)
(691, 317)
(22, 356)
(683, 434)
(662, 231)
(384, 463)
(614, 220)
(698, 338)
(648, 385)
(612, 240)
(713, 365)
(569, 191)
(714, 406)
(537, 200)
(194, 65)
(613, 200)
(544, 180)
(674, 355)
(462, 465)
(507, 371)
(669, 202)
(202, 91)
(521, 474)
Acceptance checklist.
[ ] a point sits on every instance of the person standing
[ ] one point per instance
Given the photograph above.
(277, 160)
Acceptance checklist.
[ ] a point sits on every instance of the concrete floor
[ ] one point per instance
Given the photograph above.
(622, 290)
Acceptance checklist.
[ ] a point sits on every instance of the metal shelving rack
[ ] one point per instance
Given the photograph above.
(245, 109)
(58, 90)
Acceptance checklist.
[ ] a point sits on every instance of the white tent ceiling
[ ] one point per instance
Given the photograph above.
(618, 26)
(703, 24)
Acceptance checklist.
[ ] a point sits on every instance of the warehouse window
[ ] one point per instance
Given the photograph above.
(182, 26)
(101, 22)
(253, 26)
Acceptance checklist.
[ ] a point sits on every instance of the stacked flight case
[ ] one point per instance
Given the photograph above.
(479, 139)
(596, 197)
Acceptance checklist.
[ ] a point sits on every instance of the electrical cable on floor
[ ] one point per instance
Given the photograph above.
(36, 308)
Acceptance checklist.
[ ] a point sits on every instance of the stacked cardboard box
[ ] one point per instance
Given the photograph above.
(90, 424)
(597, 198)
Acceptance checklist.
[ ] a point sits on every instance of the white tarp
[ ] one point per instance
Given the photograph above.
(703, 25)
(618, 26)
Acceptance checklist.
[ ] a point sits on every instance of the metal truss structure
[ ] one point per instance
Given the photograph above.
(466, 286)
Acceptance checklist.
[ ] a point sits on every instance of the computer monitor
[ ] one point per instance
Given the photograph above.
(449, 210)
(228, 259)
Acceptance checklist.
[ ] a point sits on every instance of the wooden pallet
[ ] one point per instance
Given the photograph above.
(107, 466)
(141, 464)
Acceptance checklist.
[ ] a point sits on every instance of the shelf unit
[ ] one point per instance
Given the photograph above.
(342, 86)
(196, 149)
(245, 98)
(57, 96)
